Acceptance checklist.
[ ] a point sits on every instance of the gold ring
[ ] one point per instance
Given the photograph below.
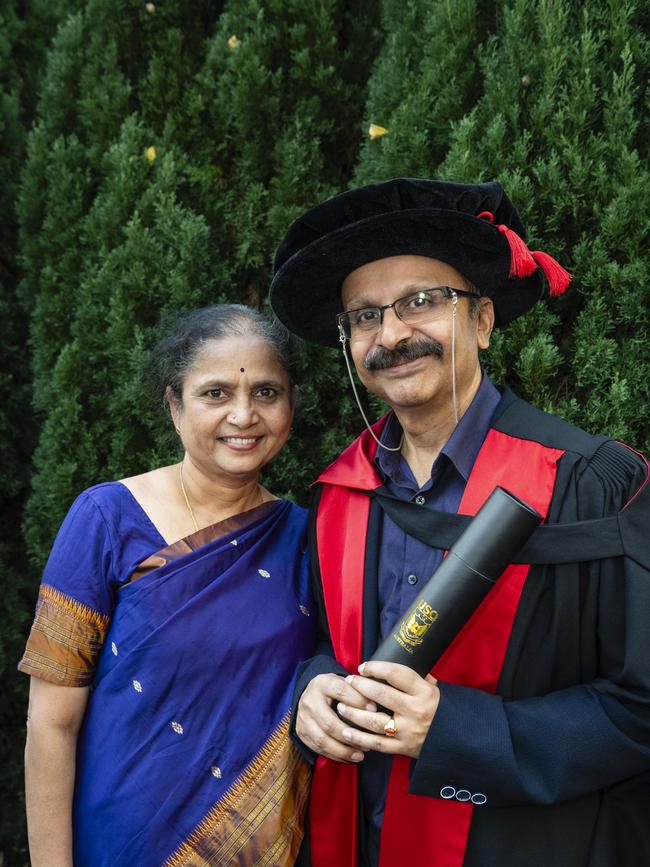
(390, 729)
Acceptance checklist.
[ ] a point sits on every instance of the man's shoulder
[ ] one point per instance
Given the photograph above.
(596, 462)
(518, 418)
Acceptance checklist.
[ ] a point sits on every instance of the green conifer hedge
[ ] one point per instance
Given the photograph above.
(156, 152)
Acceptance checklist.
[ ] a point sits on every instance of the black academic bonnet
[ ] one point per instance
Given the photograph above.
(473, 227)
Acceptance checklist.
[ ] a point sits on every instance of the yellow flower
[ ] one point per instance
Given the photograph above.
(150, 154)
(233, 43)
(376, 131)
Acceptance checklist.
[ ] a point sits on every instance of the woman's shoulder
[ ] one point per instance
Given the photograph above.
(114, 505)
(269, 496)
(105, 494)
(298, 516)
(107, 518)
(98, 502)
(291, 512)
(297, 510)
(153, 485)
(110, 500)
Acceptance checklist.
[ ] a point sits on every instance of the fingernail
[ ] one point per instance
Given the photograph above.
(349, 678)
(371, 707)
(346, 733)
(357, 757)
(361, 667)
(341, 707)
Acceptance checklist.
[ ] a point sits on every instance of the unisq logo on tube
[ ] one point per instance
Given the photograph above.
(411, 631)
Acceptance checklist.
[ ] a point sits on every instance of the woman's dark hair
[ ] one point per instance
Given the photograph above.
(175, 355)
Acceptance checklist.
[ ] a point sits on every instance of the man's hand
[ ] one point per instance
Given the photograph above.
(317, 724)
(412, 699)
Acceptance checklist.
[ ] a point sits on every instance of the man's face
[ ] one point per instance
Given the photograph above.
(424, 381)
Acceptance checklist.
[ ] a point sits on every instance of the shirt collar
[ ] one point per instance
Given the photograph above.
(461, 448)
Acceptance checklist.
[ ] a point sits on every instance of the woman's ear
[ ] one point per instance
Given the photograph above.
(174, 408)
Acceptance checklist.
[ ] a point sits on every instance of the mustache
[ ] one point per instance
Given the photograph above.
(380, 358)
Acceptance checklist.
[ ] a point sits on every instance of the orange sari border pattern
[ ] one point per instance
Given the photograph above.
(258, 820)
(65, 640)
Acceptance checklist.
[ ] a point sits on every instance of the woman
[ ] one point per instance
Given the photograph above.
(172, 614)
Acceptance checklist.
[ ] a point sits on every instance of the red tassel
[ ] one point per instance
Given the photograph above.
(522, 263)
(558, 278)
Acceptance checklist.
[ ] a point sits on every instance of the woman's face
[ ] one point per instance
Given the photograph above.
(236, 410)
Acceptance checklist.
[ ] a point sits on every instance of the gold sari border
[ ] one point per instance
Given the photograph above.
(65, 641)
(259, 820)
(199, 538)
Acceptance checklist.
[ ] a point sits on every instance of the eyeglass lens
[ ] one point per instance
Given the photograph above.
(423, 306)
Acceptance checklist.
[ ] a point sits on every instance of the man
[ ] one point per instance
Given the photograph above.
(529, 744)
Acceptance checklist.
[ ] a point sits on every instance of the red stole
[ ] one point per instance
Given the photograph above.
(474, 658)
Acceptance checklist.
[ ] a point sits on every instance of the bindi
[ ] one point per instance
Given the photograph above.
(241, 370)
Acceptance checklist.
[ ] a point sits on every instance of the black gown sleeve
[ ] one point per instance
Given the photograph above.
(542, 740)
(323, 661)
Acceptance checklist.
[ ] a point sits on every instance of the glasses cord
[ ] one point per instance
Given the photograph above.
(397, 448)
(454, 302)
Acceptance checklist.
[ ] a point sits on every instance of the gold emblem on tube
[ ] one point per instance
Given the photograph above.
(411, 632)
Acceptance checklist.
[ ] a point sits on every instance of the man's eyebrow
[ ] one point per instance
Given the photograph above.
(364, 301)
(355, 303)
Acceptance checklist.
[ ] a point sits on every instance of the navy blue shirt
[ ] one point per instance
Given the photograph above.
(406, 563)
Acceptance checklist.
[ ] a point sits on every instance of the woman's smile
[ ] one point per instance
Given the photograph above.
(239, 443)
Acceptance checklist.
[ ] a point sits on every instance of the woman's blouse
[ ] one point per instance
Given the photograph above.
(103, 538)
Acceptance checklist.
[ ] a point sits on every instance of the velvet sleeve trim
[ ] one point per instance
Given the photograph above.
(65, 640)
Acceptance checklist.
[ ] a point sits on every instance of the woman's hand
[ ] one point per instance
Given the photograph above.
(53, 720)
(317, 724)
(412, 699)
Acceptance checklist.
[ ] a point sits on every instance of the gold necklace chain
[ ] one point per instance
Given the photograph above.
(185, 497)
(187, 500)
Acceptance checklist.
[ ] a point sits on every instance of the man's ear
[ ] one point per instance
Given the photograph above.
(484, 322)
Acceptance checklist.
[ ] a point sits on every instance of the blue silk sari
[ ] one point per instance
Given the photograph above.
(184, 756)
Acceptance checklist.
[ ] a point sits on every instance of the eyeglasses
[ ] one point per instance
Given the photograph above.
(426, 305)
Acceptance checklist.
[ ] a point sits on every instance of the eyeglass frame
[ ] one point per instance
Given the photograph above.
(447, 291)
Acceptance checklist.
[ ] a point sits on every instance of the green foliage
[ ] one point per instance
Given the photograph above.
(425, 78)
(22, 45)
(557, 124)
(154, 154)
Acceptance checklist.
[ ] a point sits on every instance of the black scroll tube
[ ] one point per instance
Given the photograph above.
(466, 575)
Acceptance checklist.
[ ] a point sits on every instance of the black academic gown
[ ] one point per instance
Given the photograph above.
(562, 751)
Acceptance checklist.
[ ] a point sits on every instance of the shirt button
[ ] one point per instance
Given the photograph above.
(463, 795)
(447, 792)
(420, 500)
(479, 798)
(412, 579)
